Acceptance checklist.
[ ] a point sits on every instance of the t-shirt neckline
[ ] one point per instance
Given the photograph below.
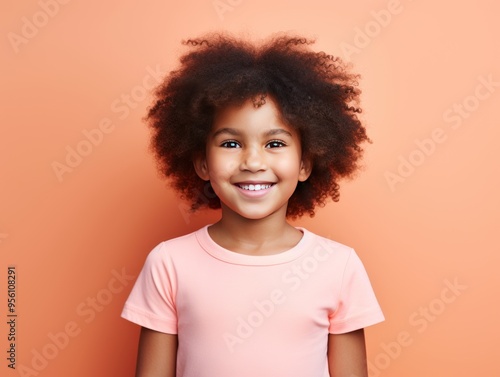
(223, 254)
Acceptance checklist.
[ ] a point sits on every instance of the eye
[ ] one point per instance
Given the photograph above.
(276, 144)
(230, 144)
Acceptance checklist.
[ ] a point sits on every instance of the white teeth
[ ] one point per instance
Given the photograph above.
(254, 187)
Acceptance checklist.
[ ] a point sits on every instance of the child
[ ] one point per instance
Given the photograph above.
(263, 132)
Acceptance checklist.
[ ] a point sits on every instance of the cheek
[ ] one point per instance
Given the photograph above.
(221, 167)
(289, 165)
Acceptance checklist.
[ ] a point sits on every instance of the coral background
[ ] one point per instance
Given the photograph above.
(81, 203)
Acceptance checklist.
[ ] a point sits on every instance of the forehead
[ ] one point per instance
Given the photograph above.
(248, 118)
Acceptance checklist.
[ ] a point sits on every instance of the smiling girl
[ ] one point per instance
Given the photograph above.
(270, 129)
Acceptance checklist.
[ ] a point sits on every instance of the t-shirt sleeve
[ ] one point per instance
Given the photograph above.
(357, 305)
(151, 302)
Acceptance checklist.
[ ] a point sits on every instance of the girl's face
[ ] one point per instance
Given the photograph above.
(253, 161)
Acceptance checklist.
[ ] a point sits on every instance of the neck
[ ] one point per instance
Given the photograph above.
(270, 235)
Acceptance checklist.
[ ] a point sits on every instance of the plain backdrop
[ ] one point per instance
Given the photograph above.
(81, 202)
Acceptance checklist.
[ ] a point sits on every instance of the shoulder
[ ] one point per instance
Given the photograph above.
(338, 256)
(174, 248)
(328, 245)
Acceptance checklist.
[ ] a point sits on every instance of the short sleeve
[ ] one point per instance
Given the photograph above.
(151, 302)
(357, 305)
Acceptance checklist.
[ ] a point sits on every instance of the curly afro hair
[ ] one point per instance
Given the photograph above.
(316, 93)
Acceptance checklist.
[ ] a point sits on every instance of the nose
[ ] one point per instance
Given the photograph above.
(253, 159)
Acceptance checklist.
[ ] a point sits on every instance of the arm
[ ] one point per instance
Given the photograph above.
(157, 354)
(347, 354)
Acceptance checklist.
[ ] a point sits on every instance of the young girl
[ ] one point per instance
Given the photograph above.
(263, 132)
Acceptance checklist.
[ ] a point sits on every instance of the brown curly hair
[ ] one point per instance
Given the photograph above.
(316, 93)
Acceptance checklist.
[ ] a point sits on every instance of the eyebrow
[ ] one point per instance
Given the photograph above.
(235, 132)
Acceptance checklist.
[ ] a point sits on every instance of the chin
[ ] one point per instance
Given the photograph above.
(258, 215)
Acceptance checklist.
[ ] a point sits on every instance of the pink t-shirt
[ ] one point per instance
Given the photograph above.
(248, 316)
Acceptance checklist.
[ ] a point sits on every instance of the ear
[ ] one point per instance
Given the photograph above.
(201, 167)
(305, 169)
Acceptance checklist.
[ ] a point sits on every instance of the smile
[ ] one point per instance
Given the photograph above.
(256, 187)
